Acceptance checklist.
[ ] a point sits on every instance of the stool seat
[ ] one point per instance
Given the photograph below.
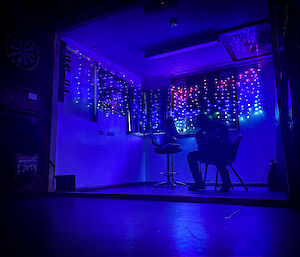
(167, 174)
(168, 149)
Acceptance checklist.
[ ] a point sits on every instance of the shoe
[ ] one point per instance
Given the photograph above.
(196, 187)
(225, 188)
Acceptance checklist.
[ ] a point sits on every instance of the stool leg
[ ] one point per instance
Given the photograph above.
(172, 166)
(230, 180)
(160, 185)
(217, 175)
(171, 182)
(239, 178)
(168, 165)
(205, 173)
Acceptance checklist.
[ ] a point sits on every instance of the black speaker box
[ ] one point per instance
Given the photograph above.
(65, 183)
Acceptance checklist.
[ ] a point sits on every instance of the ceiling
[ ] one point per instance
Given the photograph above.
(125, 37)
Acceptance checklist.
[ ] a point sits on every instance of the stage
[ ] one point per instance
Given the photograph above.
(256, 196)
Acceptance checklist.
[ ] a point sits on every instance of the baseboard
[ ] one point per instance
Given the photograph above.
(86, 189)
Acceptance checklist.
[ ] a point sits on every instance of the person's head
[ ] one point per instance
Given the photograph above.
(202, 120)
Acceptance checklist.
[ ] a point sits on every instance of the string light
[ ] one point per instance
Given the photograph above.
(81, 77)
(214, 95)
(217, 94)
(113, 93)
(155, 110)
(138, 110)
(249, 99)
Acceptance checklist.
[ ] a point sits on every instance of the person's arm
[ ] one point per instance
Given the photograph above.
(199, 136)
(223, 132)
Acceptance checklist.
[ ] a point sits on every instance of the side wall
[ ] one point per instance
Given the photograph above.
(20, 17)
(97, 153)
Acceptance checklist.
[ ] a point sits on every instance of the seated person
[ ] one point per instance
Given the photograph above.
(214, 146)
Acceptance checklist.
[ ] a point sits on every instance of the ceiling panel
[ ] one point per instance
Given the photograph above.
(123, 38)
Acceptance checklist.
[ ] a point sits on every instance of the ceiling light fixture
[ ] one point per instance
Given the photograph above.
(150, 55)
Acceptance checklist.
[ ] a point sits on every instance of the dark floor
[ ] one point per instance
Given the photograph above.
(73, 226)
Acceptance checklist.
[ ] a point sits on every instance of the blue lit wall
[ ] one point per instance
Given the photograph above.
(92, 142)
(101, 153)
(259, 139)
(97, 153)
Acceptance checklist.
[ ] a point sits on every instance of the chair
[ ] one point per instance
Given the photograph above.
(236, 142)
(167, 144)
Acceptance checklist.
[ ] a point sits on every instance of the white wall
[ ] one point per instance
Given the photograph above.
(95, 158)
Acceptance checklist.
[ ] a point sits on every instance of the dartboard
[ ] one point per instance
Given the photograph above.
(22, 52)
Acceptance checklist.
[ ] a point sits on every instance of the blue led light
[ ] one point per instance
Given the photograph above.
(249, 93)
(218, 95)
(212, 94)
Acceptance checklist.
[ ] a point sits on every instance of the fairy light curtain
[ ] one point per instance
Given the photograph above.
(137, 117)
(112, 93)
(213, 94)
(156, 107)
(221, 95)
(79, 91)
(249, 93)
(90, 87)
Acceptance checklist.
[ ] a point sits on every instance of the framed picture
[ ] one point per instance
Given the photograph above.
(27, 165)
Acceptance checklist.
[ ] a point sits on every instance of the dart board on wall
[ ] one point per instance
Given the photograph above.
(22, 52)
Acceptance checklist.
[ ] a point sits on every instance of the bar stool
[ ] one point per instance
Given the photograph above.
(163, 145)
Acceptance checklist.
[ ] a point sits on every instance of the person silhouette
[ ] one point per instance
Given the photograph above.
(214, 146)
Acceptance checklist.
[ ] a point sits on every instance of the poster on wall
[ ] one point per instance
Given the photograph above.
(27, 165)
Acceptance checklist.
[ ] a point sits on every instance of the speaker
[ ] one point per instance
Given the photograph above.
(65, 183)
(24, 135)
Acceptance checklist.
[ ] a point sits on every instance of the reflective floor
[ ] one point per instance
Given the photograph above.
(73, 226)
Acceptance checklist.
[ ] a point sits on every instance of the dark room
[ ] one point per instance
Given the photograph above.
(150, 128)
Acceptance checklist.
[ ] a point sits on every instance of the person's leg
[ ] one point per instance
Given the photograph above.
(193, 159)
(225, 178)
